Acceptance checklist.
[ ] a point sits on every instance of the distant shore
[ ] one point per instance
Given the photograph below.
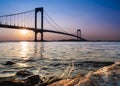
(71, 40)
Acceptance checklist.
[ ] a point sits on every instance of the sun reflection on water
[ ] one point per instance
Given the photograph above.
(22, 65)
(24, 49)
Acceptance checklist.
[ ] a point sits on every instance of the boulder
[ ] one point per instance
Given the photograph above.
(12, 83)
(33, 80)
(24, 73)
(53, 79)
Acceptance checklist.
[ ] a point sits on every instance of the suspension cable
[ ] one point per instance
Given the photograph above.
(51, 24)
(17, 13)
(54, 22)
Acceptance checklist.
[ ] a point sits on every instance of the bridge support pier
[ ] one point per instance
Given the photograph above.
(36, 31)
(78, 33)
(35, 36)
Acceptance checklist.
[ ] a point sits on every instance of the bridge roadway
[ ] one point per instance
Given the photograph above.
(39, 30)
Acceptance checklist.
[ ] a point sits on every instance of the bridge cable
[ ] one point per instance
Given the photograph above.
(54, 21)
(18, 13)
(51, 24)
(10, 20)
(0, 20)
(5, 17)
(6, 20)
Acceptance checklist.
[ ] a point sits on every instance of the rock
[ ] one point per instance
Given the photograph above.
(24, 73)
(96, 64)
(49, 80)
(11, 83)
(9, 78)
(27, 81)
(106, 76)
(33, 80)
(59, 83)
(9, 63)
(53, 79)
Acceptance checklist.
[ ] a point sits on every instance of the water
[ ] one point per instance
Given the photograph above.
(52, 58)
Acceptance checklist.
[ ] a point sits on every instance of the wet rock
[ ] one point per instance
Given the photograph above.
(24, 73)
(55, 64)
(33, 80)
(60, 83)
(9, 78)
(98, 64)
(93, 64)
(11, 83)
(51, 80)
(9, 63)
(30, 60)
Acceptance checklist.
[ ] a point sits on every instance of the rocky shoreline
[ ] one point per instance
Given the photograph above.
(105, 76)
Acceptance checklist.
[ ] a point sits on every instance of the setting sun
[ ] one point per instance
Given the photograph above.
(24, 32)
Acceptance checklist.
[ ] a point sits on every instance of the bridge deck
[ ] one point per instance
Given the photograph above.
(39, 30)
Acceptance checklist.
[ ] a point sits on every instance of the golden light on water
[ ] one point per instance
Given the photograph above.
(22, 65)
(24, 49)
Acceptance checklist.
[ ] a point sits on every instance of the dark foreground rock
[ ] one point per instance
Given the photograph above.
(33, 80)
(13, 81)
(10, 81)
(9, 63)
(23, 73)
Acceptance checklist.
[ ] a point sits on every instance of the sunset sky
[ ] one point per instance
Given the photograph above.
(97, 19)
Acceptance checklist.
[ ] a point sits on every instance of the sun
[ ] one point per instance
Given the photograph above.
(24, 32)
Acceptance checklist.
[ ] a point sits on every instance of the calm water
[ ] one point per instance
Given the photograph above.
(52, 58)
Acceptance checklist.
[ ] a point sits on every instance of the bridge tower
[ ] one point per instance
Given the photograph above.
(78, 33)
(36, 11)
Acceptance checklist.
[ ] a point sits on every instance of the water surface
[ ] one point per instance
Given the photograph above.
(52, 58)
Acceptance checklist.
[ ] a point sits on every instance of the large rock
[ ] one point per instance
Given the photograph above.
(106, 76)
(33, 80)
(24, 73)
(52, 79)
(12, 83)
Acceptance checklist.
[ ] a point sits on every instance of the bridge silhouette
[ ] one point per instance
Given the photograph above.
(15, 21)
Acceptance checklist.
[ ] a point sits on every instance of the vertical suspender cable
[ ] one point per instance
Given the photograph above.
(0, 20)
(24, 20)
(10, 20)
(21, 20)
(14, 20)
(18, 19)
(6, 20)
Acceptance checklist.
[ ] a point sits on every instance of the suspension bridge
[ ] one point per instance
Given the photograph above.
(29, 20)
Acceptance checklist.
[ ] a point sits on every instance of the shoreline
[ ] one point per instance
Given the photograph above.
(27, 78)
(61, 41)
